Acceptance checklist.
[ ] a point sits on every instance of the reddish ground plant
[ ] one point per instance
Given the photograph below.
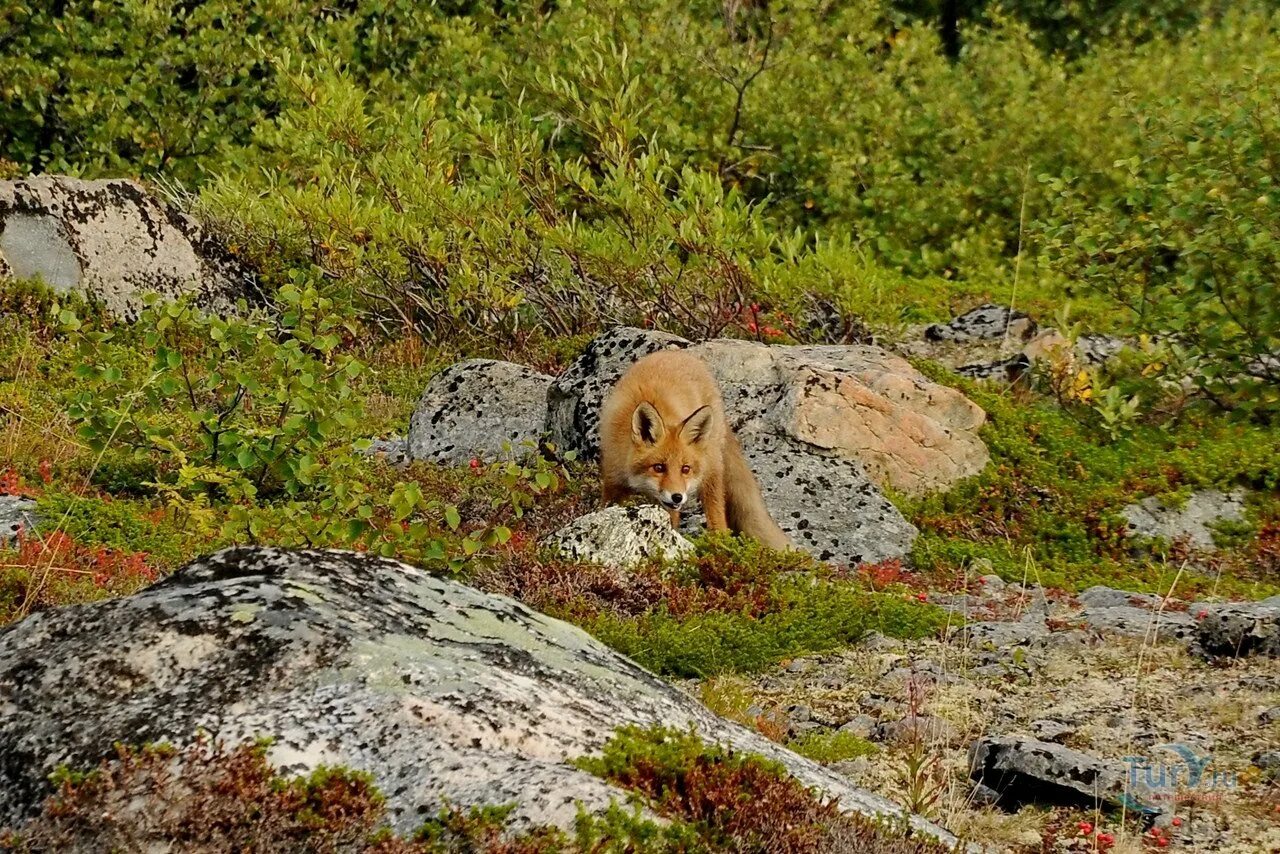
(741, 802)
(203, 799)
(41, 570)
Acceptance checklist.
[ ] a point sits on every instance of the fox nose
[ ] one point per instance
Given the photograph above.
(677, 498)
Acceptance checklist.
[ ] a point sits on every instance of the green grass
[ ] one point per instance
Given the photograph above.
(1048, 507)
(812, 616)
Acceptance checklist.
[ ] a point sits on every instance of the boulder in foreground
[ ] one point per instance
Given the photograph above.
(436, 689)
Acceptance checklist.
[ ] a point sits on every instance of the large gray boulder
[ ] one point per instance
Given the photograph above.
(112, 242)
(823, 428)
(826, 504)
(436, 689)
(574, 399)
(479, 408)
(1238, 629)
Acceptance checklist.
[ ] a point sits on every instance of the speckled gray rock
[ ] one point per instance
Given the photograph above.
(1001, 634)
(1099, 349)
(479, 408)
(1238, 630)
(1191, 521)
(436, 689)
(113, 242)
(1138, 622)
(1100, 596)
(16, 514)
(575, 397)
(827, 505)
(1009, 370)
(393, 450)
(1025, 771)
(620, 537)
(986, 322)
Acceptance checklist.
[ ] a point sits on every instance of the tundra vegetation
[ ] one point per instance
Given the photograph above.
(417, 183)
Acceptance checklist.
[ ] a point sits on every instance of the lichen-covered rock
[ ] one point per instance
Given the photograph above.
(1141, 622)
(620, 537)
(1238, 629)
(976, 345)
(575, 397)
(820, 426)
(1008, 370)
(984, 323)
(112, 242)
(858, 401)
(1098, 349)
(1101, 596)
(1027, 771)
(1002, 634)
(479, 408)
(16, 514)
(826, 504)
(437, 690)
(1191, 522)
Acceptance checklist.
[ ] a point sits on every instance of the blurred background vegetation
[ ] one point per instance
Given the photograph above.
(464, 168)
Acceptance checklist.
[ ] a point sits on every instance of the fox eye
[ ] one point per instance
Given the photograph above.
(660, 468)
(684, 469)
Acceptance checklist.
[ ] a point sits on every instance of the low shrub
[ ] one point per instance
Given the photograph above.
(829, 747)
(740, 802)
(37, 571)
(206, 798)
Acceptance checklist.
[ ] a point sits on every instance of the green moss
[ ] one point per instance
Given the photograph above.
(811, 616)
(829, 747)
(124, 524)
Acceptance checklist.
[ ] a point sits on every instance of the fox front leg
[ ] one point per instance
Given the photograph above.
(611, 493)
(713, 505)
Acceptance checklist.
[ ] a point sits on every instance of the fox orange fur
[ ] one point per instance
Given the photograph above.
(663, 435)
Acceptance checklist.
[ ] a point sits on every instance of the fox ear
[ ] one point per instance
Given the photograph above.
(697, 425)
(646, 424)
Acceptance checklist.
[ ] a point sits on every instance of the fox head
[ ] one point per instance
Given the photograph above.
(670, 460)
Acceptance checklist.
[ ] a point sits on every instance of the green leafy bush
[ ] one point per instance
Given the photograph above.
(244, 404)
(1187, 237)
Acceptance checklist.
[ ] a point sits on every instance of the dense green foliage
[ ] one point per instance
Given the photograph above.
(561, 166)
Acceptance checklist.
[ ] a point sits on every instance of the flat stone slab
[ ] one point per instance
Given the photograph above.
(1026, 771)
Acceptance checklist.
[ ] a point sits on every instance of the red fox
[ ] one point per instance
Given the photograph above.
(663, 435)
